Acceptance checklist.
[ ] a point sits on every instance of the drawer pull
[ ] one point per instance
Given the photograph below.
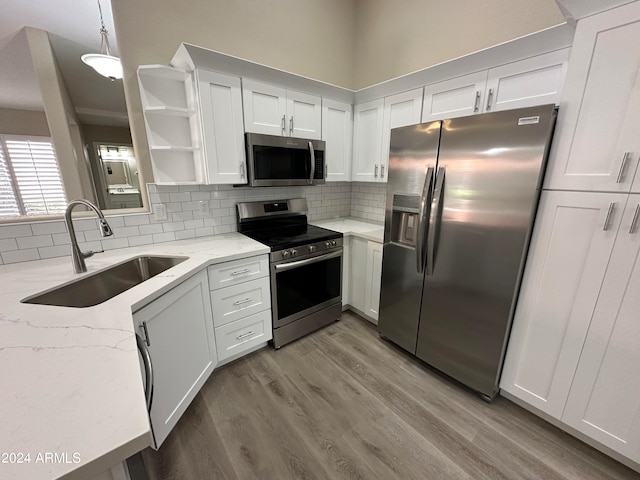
(245, 335)
(240, 272)
(240, 302)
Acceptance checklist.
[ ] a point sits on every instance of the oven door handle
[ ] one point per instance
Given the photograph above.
(312, 159)
(283, 267)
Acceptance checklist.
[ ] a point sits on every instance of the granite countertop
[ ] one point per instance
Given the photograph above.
(70, 381)
(354, 227)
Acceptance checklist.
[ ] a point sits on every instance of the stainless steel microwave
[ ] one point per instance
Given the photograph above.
(281, 161)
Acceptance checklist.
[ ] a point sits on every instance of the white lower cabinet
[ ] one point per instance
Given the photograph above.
(365, 275)
(241, 303)
(237, 301)
(573, 352)
(178, 331)
(604, 401)
(236, 337)
(373, 279)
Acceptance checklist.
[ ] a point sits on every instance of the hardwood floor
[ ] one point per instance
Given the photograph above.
(342, 403)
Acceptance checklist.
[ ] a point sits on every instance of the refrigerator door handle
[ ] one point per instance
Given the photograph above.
(435, 218)
(425, 204)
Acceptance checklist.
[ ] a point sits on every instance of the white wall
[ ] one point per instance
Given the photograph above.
(398, 37)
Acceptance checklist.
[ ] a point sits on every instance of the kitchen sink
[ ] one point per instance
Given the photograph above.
(101, 286)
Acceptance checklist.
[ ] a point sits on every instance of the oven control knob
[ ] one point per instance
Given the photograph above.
(294, 252)
(285, 253)
(327, 244)
(312, 248)
(333, 243)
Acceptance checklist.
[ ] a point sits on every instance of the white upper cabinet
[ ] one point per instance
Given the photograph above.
(453, 98)
(275, 111)
(265, 108)
(367, 141)
(222, 127)
(399, 111)
(604, 402)
(570, 248)
(373, 122)
(304, 113)
(337, 132)
(533, 81)
(597, 143)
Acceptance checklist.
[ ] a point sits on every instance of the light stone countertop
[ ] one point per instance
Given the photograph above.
(354, 227)
(70, 380)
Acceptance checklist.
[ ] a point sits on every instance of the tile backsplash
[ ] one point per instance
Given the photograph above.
(192, 211)
(368, 201)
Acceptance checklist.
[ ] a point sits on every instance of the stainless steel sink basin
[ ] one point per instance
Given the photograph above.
(101, 286)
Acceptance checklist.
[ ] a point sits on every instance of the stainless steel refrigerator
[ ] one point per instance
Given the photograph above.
(461, 200)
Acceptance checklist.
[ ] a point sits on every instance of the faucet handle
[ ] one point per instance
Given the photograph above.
(105, 229)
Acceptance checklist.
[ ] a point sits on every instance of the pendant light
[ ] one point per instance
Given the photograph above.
(104, 62)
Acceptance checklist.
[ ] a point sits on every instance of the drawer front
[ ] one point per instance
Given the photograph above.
(241, 335)
(238, 271)
(239, 301)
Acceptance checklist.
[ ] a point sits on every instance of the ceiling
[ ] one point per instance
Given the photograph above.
(73, 27)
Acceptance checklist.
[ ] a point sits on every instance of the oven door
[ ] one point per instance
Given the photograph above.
(284, 161)
(302, 287)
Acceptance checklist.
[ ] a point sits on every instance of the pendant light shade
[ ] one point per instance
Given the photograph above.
(104, 62)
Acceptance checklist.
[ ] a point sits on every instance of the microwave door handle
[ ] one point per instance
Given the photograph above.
(312, 159)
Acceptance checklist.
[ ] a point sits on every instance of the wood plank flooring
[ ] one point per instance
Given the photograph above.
(342, 403)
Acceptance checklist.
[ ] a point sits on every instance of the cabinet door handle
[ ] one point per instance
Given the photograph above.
(634, 222)
(245, 335)
(326, 170)
(146, 333)
(240, 272)
(476, 105)
(284, 129)
(148, 371)
(375, 171)
(625, 159)
(242, 302)
(612, 206)
(489, 99)
(241, 169)
(382, 170)
(291, 127)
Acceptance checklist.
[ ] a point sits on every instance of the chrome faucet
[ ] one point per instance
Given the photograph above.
(78, 256)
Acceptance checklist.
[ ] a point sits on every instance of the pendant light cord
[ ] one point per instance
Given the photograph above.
(104, 47)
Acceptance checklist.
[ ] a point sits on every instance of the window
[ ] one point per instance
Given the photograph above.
(30, 181)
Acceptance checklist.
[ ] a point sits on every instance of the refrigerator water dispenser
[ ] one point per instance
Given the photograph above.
(404, 220)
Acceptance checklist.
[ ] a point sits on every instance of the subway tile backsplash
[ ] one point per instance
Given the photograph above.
(192, 211)
(368, 201)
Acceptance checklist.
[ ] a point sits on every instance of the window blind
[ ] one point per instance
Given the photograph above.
(32, 172)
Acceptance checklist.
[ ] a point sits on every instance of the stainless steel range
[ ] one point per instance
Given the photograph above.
(305, 264)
